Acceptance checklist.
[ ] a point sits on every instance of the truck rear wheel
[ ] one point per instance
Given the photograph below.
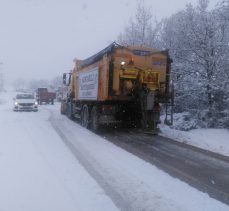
(94, 119)
(85, 117)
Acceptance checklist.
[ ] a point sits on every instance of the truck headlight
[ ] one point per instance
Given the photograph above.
(15, 103)
(36, 103)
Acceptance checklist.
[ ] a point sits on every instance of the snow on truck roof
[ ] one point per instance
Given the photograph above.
(137, 50)
(96, 57)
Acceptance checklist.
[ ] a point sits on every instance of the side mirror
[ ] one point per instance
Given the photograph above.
(67, 78)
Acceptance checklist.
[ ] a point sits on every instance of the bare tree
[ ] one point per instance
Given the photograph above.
(142, 30)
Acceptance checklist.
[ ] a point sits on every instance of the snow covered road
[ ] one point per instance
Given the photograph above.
(38, 172)
(204, 170)
(49, 163)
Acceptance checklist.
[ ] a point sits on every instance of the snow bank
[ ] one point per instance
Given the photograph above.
(216, 140)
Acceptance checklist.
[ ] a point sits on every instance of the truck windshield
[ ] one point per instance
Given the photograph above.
(25, 96)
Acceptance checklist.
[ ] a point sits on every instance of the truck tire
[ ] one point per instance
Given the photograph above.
(85, 117)
(69, 111)
(94, 119)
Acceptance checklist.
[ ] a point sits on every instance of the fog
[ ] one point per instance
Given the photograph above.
(40, 38)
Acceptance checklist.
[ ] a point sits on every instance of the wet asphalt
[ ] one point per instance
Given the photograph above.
(204, 170)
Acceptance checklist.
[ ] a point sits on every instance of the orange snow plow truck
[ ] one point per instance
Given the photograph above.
(118, 85)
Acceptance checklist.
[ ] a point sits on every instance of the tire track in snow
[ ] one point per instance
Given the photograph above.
(199, 169)
(116, 198)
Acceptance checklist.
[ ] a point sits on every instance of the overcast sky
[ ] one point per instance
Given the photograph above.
(40, 38)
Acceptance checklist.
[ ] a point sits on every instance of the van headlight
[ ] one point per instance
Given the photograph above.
(36, 103)
(15, 103)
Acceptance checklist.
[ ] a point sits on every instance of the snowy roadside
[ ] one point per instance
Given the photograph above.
(215, 140)
(2, 97)
(38, 172)
(140, 184)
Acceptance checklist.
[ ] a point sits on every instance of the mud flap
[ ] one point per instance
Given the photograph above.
(149, 116)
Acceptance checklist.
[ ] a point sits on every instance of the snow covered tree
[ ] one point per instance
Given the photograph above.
(198, 42)
(142, 30)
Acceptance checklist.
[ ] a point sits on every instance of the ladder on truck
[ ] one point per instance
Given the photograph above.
(169, 107)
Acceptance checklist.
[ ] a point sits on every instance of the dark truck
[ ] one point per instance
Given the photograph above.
(43, 95)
